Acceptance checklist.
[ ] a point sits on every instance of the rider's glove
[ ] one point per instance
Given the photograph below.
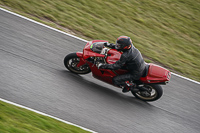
(101, 65)
(107, 44)
(110, 45)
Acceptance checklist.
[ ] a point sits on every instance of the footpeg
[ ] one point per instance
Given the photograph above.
(135, 90)
(130, 84)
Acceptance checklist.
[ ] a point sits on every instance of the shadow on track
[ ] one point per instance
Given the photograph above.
(98, 90)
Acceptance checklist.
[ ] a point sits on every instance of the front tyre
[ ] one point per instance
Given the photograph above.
(71, 61)
(153, 93)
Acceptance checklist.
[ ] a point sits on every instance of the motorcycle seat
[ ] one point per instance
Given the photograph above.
(145, 71)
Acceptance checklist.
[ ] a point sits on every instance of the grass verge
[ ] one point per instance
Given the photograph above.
(17, 120)
(165, 31)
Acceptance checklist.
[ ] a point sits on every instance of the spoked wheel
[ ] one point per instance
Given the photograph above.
(153, 92)
(71, 61)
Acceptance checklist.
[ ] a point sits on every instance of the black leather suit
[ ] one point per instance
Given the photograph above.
(134, 63)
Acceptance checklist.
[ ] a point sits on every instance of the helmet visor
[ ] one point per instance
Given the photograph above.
(118, 46)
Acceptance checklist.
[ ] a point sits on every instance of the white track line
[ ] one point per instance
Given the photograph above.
(186, 78)
(42, 24)
(76, 37)
(73, 37)
(38, 112)
(33, 109)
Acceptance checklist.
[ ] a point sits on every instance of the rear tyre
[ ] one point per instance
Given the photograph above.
(71, 61)
(154, 92)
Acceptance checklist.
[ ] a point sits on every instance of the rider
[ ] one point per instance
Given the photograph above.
(131, 58)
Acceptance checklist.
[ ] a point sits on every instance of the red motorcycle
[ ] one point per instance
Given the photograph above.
(95, 52)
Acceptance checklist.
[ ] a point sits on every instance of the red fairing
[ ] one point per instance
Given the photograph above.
(156, 74)
(82, 61)
(87, 52)
(113, 56)
(79, 54)
(95, 53)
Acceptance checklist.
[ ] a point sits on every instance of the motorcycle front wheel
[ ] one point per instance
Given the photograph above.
(71, 61)
(153, 93)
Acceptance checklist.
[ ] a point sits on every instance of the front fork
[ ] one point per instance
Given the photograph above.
(82, 61)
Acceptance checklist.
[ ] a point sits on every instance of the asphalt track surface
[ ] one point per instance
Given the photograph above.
(32, 74)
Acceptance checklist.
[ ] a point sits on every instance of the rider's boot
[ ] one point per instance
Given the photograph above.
(135, 90)
(126, 89)
(129, 86)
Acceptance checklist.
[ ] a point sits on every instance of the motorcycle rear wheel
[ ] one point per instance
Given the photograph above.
(71, 61)
(154, 92)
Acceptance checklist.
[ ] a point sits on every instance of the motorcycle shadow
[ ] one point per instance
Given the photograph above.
(97, 90)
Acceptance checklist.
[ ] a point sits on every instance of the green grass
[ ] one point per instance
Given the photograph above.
(166, 32)
(17, 120)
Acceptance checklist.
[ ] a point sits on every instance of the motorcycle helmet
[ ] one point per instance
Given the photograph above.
(123, 43)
